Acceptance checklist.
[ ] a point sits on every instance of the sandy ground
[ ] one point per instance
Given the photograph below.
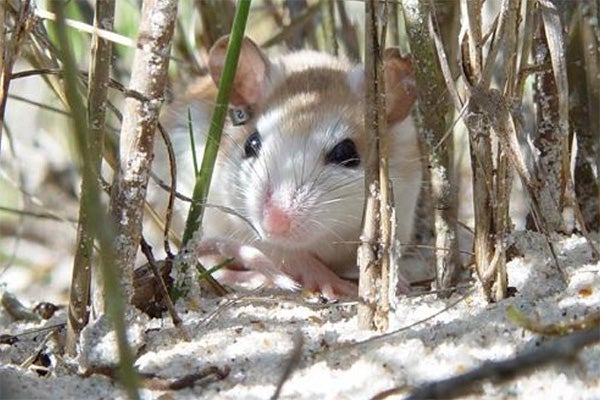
(253, 336)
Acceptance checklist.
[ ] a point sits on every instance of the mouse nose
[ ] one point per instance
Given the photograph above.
(275, 220)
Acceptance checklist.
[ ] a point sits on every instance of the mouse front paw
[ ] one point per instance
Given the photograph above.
(314, 276)
(246, 258)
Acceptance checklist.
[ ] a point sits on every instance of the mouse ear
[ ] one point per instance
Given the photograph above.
(251, 75)
(399, 80)
(400, 85)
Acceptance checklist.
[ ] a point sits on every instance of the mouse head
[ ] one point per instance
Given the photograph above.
(297, 166)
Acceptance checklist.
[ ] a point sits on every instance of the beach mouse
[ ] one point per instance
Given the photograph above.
(291, 162)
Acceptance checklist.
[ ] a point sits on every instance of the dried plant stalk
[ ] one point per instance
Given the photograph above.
(348, 33)
(101, 227)
(289, 33)
(488, 110)
(304, 34)
(548, 138)
(584, 120)
(394, 37)
(329, 29)
(480, 150)
(482, 170)
(79, 296)
(140, 118)
(217, 16)
(563, 349)
(4, 70)
(10, 49)
(507, 29)
(373, 250)
(434, 103)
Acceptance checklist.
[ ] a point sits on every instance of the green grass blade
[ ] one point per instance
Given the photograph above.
(192, 142)
(204, 178)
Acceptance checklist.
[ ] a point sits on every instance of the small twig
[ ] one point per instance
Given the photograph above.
(186, 381)
(433, 27)
(10, 54)
(452, 289)
(151, 382)
(297, 23)
(31, 359)
(427, 246)
(83, 27)
(172, 189)
(10, 339)
(348, 32)
(40, 105)
(147, 250)
(43, 215)
(563, 349)
(272, 10)
(113, 83)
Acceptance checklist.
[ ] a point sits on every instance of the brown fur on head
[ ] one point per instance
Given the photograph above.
(253, 78)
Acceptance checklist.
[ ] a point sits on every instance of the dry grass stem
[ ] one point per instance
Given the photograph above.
(101, 55)
(105, 32)
(217, 17)
(434, 103)
(374, 304)
(140, 118)
(9, 49)
(349, 33)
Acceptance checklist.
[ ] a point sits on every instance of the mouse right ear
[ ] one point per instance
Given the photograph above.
(251, 75)
(399, 81)
(400, 85)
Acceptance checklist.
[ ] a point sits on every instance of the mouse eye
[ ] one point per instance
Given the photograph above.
(252, 145)
(344, 153)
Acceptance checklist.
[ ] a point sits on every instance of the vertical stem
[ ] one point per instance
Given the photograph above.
(372, 314)
(502, 219)
(216, 16)
(102, 229)
(482, 167)
(584, 118)
(434, 103)
(140, 118)
(203, 179)
(394, 25)
(348, 33)
(485, 201)
(547, 138)
(329, 30)
(101, 51)
(4, 77)
(10, 50)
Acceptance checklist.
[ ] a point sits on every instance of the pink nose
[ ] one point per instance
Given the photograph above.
(275, 220)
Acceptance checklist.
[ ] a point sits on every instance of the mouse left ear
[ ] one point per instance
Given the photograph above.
(399, 81)
(249, 84)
